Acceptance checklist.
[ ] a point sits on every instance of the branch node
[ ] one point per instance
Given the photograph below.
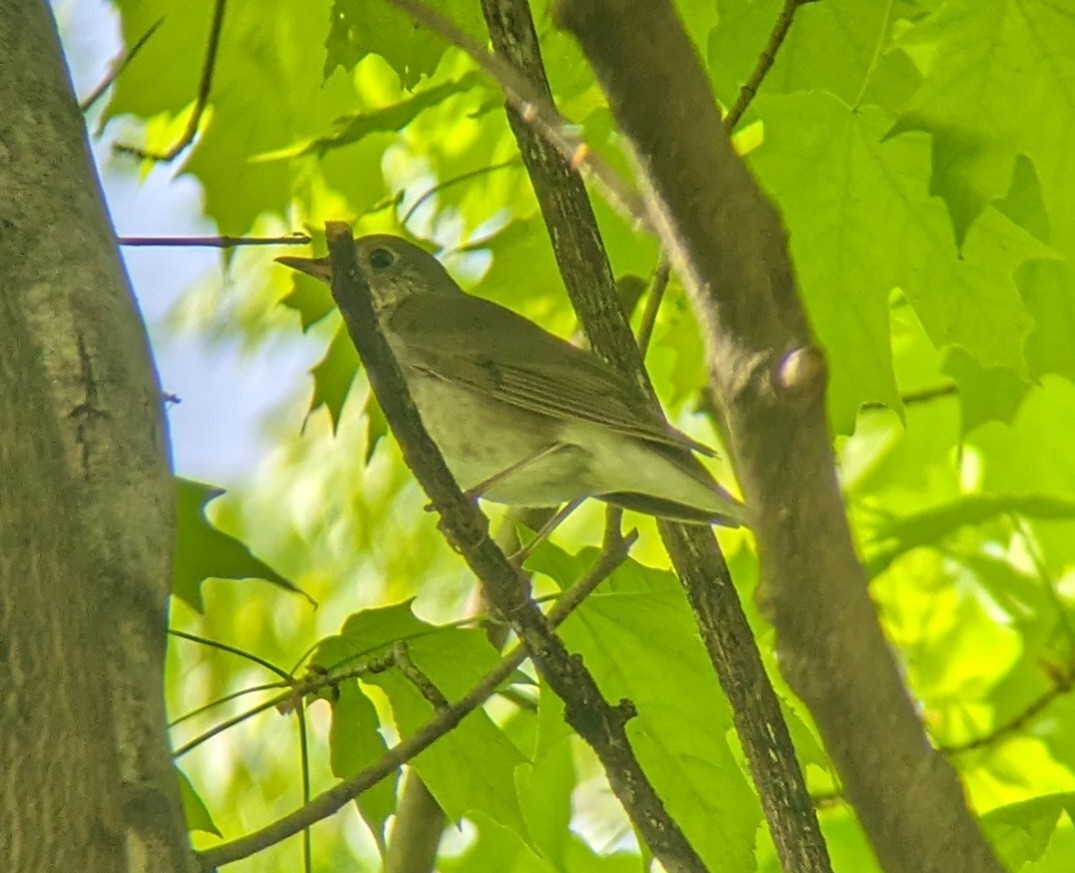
(625, 710)
(801, 369)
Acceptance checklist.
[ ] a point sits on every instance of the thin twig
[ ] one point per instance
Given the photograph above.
(224, 647)
(287, 700)
(118, 66)
(304, 763)
(1063, 685)
(765, 61)
(912, 398)
(227, 698)
(455, 180)
(653, 304)
(218, 729)
(1045, 578)
(329, 802)
(214, 242)
(205, 85)
(538, 112)
(1014, 724)
(417, 677)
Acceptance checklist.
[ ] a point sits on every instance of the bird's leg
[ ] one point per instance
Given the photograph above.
(479, 489)
(546, 529)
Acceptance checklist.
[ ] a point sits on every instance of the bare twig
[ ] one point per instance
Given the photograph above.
(213, 242)
(443, 721)
(226, 698)
(205, 85)
(417, 677)
(118, 66)
(913, 398)
(224, 647)
(695, 553)
(1016, 723)
(727, 243)
(455, 180)
(765, 62)
(304, 765)
(218, 729)
(1063, 684)
(653, 304)
(287, 699)
(537, 111)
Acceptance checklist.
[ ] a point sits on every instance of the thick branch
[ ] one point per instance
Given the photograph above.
(565, 206)
(596, 721)
(699, 564)
(87, 506)
(728, 245)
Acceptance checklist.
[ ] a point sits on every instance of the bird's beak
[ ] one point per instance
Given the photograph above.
(319, 268)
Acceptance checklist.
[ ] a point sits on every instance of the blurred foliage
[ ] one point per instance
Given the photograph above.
(918, 153)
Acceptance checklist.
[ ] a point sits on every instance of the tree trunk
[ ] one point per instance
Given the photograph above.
(86, 502)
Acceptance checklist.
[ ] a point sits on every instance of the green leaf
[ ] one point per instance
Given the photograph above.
(267, 96)
(355, 742)
(376, 425)
(1000, 83)
(523, 270)
(545, 783)
(357, 126)
(862, 222)
(843, 47)
(985, 393)
(639, 640)
(359, 28)
(495, 848)
(1020, 832)
(195, 811)
(1047, 290)
(368, 633)
(899, 536)
(310, 298)
(470, 768)
(334, 374)
(203, 551)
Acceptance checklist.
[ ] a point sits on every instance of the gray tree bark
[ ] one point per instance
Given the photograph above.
(86, 502)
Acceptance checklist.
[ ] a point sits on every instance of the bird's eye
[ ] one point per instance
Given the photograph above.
(381, 259)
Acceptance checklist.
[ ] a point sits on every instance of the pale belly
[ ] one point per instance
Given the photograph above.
(482, 438)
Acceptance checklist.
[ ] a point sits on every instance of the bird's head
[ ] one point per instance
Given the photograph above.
(393, 267)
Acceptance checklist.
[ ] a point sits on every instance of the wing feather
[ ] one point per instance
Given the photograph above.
(481, 345)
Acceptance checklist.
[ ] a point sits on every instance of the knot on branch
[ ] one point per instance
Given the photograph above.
(624, 711)
(802, 372)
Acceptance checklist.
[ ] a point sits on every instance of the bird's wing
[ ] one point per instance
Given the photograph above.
(479, 344)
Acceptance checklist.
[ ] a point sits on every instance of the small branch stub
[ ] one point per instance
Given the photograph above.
(802, 369)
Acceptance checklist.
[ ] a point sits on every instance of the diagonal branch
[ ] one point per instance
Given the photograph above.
(761, 69)
(698, 561)
(729, 247)
(331, 801)
(118, 66)
(201, 100)
(536, 109)
(601, 724)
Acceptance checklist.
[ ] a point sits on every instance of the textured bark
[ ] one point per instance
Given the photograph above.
(694, 552)
(727, 243)
(86, 506)
(601, 724)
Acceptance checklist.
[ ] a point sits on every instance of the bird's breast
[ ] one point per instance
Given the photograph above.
(481, 437)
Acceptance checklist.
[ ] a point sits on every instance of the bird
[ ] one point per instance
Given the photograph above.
(521, 416)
